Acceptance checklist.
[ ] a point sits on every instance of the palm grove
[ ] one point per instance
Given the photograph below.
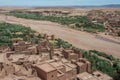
(100, 61)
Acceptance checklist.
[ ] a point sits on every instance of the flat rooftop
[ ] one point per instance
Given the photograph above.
(71, 65)
(80, 63)
(101, 76)
(86, 76)
(13, 77)
(69, 50)
(46, 67)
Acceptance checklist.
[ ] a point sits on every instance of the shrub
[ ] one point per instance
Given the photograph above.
(119, 33)
(64, 20)
(9, 31)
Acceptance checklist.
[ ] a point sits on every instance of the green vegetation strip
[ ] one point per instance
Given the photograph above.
(76, 22)
(110, 66)
(9, 32)
(100, 61)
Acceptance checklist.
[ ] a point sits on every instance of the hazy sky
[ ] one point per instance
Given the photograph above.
(56, 2)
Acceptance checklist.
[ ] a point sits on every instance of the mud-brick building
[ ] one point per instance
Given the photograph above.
(43, 46)
(101, 76)
(46, 71)
(71, 54)
(83, 65)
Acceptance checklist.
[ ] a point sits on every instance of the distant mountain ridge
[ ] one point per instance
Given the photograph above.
(106, 6)
(84, 6)
(112, 5)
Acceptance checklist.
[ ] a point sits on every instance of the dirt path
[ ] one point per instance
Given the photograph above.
(79, 39)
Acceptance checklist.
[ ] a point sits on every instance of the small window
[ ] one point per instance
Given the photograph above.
(98, 75)
(52, 76)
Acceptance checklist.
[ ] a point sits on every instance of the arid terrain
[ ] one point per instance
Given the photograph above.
(59, 43)
(79, 39)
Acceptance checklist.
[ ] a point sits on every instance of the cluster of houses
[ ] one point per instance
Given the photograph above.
(109, 19)
(29, 61)
(50, 12)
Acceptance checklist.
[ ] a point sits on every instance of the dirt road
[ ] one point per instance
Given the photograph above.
(79, 39)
